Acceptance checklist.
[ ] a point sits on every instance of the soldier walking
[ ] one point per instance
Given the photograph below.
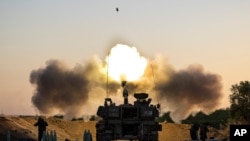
(41, 123)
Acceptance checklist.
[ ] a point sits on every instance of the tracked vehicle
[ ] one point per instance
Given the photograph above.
(128, 121)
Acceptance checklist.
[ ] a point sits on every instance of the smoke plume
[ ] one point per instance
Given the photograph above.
(64, 90)
(80, 90)
(189, 90)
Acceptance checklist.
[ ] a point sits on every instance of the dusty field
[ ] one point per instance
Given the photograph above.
(23, 127)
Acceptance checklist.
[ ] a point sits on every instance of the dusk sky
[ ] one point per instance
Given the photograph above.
(213, 33)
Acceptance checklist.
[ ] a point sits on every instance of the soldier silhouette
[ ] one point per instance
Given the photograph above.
(203, 131)
(41, 123)
(194, 131)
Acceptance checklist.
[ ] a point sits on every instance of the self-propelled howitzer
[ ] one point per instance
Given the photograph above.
(127, 121)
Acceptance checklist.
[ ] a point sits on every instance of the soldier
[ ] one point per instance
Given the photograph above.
(125, 92)
(194, 131)
(41, 123)
(203, 131)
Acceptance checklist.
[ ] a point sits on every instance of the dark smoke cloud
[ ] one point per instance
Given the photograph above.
(64, 90)
(189, 90)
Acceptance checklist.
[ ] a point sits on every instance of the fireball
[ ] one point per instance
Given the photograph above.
(125, 63)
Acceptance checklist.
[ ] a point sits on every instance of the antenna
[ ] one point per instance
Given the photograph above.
(107, 83)
(157, 98)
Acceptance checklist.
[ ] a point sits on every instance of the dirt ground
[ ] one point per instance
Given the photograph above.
(22, 127)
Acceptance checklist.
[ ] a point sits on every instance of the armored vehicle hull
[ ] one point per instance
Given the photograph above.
(128, 121)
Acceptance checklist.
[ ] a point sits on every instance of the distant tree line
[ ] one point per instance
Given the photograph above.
(77, 119)
(91, 118)
(165, 118)
(217, 119)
